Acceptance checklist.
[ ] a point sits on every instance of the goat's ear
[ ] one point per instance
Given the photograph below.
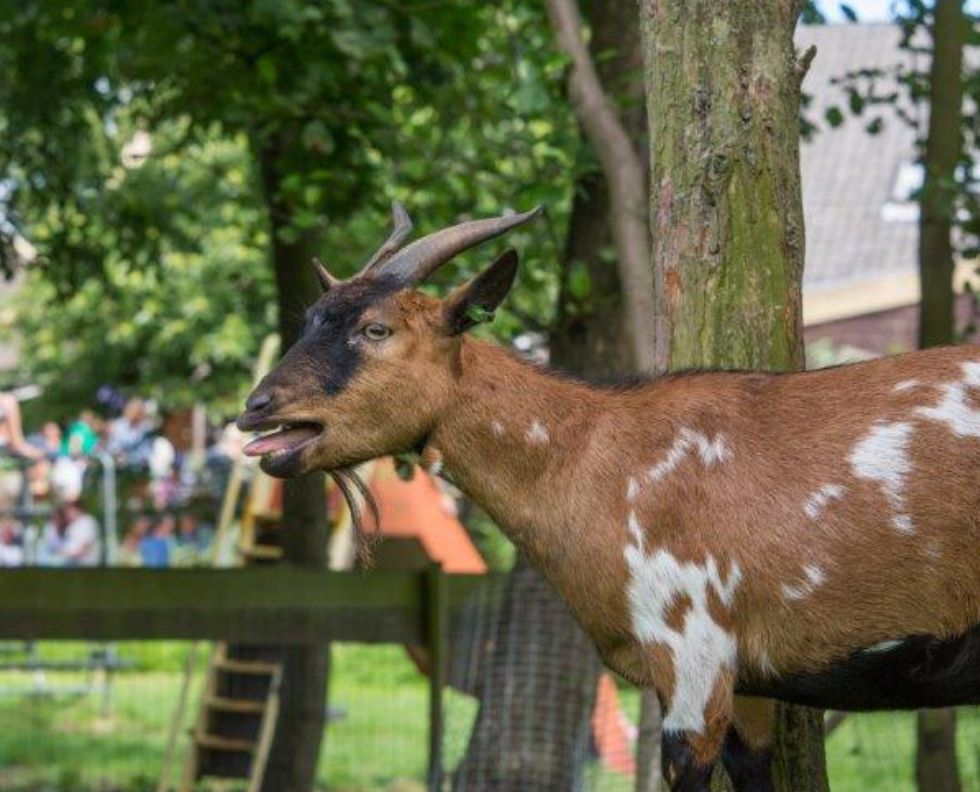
(477, 299)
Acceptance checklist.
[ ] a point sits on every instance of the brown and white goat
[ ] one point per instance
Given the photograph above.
(811, 537)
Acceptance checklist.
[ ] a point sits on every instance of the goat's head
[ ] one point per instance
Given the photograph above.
(376, 360)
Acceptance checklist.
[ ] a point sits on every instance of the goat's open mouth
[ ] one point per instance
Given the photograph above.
(285, 441)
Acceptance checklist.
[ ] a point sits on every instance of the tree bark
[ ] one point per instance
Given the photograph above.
(536, 694)
(649, 777)
(303, 695)
(942, 154)
(532, 730)
(936, 768)
(723, 91)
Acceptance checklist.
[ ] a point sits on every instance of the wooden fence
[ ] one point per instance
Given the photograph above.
(277, 604)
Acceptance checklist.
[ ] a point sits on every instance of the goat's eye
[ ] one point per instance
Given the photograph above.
(376, 332)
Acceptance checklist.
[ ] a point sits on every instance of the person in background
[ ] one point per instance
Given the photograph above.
(48, 440)
(155, 546)
(82, 436)
(129, 435)
(164, 473)
(71, 538)
(11, 537)
(12, 430)
(129, 547)
(79, 443)
(192, 541)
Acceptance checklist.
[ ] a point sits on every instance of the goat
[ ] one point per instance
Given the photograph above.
(724, 537)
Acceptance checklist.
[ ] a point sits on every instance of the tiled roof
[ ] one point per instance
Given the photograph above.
(848, 174)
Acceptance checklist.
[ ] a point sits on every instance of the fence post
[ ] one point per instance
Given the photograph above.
(437, 637)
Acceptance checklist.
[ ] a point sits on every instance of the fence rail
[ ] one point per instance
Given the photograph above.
(278, 604)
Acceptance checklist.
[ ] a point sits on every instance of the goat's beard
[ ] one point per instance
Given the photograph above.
(359, 499)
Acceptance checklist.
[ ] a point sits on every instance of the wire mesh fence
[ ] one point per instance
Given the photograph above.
(70, 722)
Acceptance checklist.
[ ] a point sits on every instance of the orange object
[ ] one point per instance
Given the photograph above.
(419, 509)
(611, 729)
(416, 509)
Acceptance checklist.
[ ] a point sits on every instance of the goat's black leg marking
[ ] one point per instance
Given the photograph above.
(750, 770)
(681, 770)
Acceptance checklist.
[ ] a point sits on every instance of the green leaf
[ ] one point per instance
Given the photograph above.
(834, 116)
(856, 102)
(267, 69)
(579, 280)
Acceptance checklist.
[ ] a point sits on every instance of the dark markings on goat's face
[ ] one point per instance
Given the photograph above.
(330, 337)
(365, 379)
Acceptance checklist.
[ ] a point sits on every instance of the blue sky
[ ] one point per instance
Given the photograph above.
(867, 10)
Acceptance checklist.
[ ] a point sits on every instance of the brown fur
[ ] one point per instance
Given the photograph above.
(562, 499)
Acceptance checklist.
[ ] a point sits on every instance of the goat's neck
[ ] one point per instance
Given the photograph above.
(515, 440)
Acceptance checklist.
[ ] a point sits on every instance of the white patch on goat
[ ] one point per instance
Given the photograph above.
(700, 648)
(816, 502)
(497, 428)
(711, 451)
(905, 385)
(882, 456)
(903, 523)
(435, 469)
(537, 434)
(954, 409)
(635, 529)
(971, 373)
(765, 664)
(632, 489)
(883, 646)
(814, 577)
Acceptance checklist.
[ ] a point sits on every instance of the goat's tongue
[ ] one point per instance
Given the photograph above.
(282, 440)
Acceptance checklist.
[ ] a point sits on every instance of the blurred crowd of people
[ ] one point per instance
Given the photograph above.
(50, 478)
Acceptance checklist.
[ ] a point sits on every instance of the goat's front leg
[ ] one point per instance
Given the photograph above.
(747, 752)
(694, 733)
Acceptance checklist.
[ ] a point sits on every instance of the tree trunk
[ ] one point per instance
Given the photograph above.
(936, 769)
(942, 153)
(622, 167)
(723, 90)
(303, 695)
(536, 693)
(649, 777)
(532, 730)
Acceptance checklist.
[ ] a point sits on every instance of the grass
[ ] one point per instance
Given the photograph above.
(377, 742)
(875, 751)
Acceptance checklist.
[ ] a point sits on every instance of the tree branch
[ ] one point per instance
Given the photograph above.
(624, 173)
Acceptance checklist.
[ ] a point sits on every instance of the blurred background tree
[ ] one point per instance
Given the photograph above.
(322, 104)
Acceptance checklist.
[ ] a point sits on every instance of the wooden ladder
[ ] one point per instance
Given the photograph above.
(236, 722)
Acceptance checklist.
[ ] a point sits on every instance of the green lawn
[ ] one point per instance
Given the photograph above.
(377, 741)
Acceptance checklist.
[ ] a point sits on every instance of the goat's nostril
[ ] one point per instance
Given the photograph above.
(258, 401)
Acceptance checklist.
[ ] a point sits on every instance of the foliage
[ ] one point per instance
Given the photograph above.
(154, 272)
(181, 327)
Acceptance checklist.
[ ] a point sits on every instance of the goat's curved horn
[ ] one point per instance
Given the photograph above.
(402, 228)
(424, 256)
(327, 281)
